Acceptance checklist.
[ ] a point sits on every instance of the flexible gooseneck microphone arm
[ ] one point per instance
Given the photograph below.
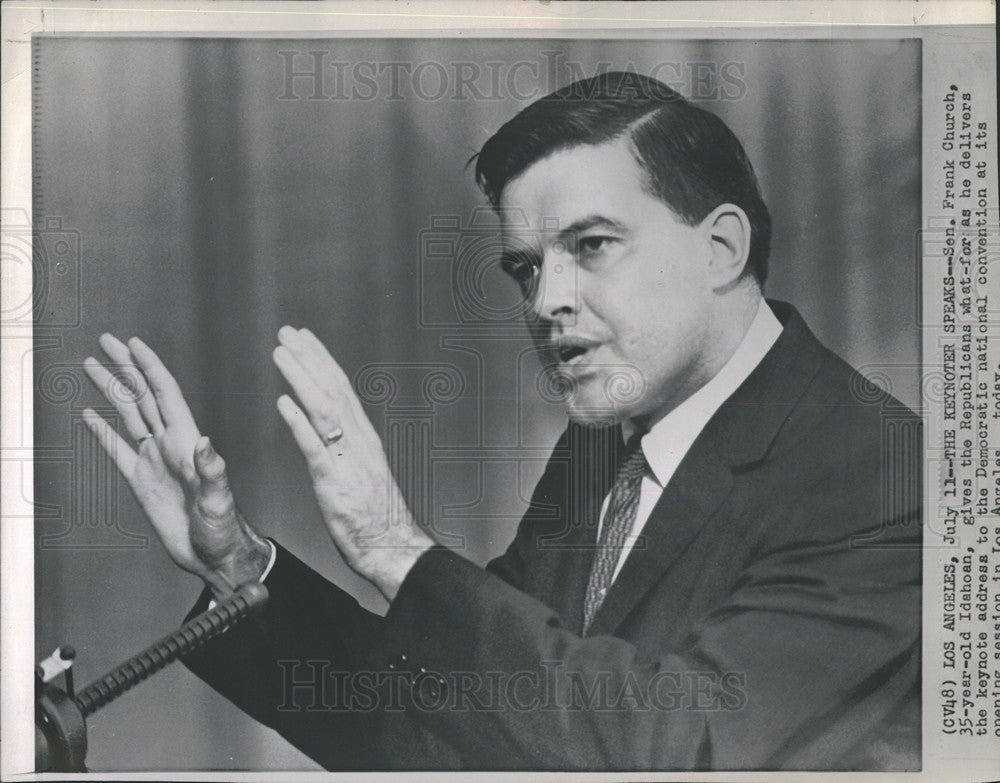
(60, 717)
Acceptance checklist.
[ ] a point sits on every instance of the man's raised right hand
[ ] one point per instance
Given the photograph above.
(177, 477)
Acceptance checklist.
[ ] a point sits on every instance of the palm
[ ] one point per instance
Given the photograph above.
(162, 497)
(177, 478)
(176, 444)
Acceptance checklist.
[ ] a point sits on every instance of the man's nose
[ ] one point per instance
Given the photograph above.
(557, 295)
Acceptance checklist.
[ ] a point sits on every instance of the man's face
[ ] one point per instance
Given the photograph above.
(620, 295)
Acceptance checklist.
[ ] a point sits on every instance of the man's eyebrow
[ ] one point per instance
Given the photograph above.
(589, 222)
(576, 227)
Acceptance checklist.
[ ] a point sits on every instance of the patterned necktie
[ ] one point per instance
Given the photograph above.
(617, 524)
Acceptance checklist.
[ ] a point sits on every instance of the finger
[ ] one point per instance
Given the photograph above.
(112, 443)
(156, 484)
(323, 409)
(118, 394)
(317, 361)
(119, 353)
(189, 474)
(309, 442)
(215, 498)
(318, 353)
(167, 391)
(315, 358)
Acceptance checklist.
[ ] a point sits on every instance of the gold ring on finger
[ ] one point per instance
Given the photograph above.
(333, 436)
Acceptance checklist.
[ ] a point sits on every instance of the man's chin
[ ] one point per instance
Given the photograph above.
(594, 413)
(597, 401)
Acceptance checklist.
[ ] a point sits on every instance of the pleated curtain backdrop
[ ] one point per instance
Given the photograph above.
(212, 206)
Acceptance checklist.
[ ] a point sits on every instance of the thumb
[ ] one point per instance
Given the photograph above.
(215, 496)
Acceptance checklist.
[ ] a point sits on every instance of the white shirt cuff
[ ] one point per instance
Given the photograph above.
(270, 560)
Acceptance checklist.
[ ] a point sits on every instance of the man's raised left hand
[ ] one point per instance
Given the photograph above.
(357, 494)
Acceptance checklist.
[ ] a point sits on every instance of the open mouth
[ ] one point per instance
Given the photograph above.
(572, 351)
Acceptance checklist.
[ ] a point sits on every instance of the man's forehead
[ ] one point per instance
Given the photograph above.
(571, 185)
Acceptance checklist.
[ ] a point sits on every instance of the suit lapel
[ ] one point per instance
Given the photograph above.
(740, 433)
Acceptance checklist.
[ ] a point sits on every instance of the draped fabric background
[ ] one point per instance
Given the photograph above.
(213, 204)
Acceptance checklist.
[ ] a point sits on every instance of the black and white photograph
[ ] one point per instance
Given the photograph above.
(482, 402)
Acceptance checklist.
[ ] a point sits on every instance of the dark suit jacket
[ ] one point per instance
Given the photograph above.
(769, 620)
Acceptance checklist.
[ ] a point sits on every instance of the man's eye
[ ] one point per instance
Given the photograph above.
(592, 244)
(520, 269)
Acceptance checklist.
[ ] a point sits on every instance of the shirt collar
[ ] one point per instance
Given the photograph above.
(665, 445)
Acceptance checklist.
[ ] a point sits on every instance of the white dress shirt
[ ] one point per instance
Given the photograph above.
(665, 445)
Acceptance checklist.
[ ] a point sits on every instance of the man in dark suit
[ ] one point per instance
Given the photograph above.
(719, 568)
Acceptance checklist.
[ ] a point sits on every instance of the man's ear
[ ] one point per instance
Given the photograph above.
(727, 229)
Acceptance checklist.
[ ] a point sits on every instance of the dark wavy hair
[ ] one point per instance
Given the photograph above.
(692, 160)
